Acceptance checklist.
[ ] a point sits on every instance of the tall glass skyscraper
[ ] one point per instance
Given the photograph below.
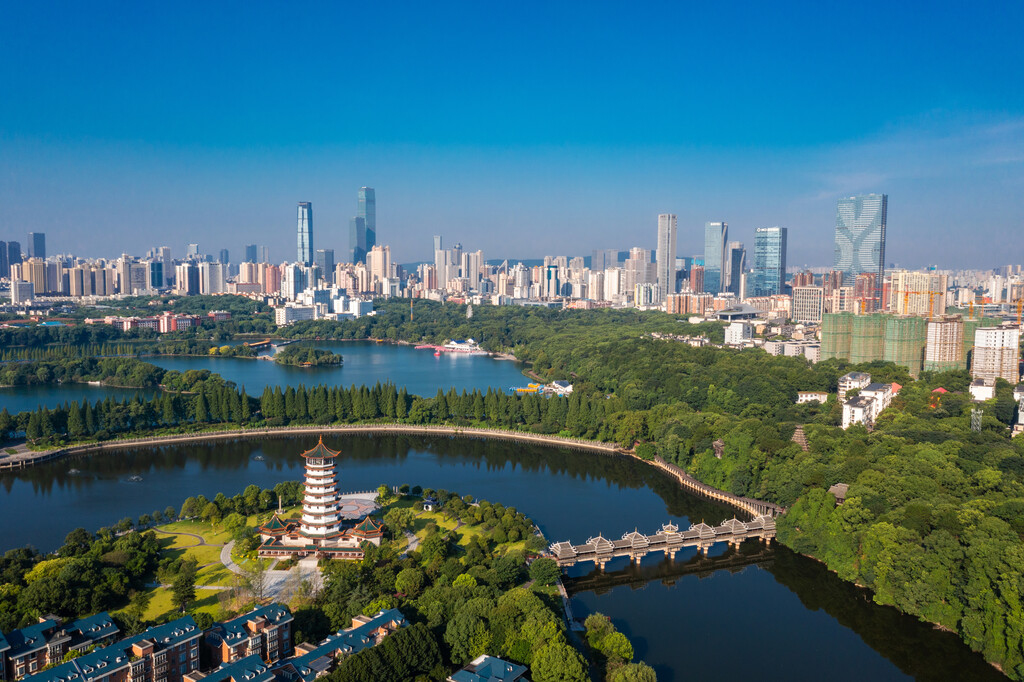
(37, 245)
(367, 210)
(860, 236)
(250, 253)
(357, 240)
(305, 243)
(769, 276)
(736, 263)
(715, 237)
(666, 254)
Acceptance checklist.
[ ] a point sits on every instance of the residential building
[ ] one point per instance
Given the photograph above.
(982, 390)
(489, 669)
(22, 292)
(738, 334)
(290, 313)
(27, 651)
(808, 304)
(854, 381)
(311, 662)
(811, 397)
(248, 669)
(865, 408)
(304, 253)
(164, 653)
(264, 632)
(944, 345)
(917, 293)
(769, 274)
(860, 237)
(666, 253)
(716, 234)
(378, 264)
(996, 353)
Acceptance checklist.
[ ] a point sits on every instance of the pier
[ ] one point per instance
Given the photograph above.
(669, 540)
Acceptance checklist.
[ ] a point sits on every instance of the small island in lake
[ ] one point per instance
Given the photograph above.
(303, 356)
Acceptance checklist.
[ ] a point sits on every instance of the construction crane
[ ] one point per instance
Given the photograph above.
(931, 301)
(1020, 306)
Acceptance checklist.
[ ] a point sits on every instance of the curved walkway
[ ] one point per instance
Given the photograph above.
(685, 480)
(229, 563)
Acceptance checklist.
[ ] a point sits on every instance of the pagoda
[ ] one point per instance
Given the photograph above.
(320, 530)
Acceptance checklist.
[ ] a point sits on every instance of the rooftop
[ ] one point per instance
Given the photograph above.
(320, 451)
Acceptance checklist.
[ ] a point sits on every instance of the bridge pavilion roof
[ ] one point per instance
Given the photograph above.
(733, 525)
(600, 544)
(636, 539)
(704, 531)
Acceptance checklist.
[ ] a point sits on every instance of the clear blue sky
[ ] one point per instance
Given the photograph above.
(520, 128)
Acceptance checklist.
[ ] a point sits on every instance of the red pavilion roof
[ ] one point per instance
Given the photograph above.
(320, 451)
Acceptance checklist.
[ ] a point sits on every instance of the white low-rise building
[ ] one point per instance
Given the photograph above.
(738, 334)
(865, 408)
(983, 389)
(811, 397)
(854, 381)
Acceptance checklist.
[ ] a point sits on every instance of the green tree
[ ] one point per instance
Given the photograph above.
(183, 589)
(633, 672)
(544, 571)
(559, 662)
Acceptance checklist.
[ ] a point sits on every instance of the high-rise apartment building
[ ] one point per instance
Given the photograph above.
(378, 263)
(367, 210)
(736, 263)
(918, 293)
(305, 233)
(357, 240)
(716, 234)
(944, 347)
(264, 254)
(808, 304)
(37, 245)
(860, 236)
(666, 253)
(697, 279)
(602, 259)
(769, 276)
(250, 254)
(996, 353)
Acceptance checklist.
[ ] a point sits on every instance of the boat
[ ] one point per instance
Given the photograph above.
(135, 478)
(73, 472)
(258, 458)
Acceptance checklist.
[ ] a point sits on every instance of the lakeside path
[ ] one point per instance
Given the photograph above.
(744, 504)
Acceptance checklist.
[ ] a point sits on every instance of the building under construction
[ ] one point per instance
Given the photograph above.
(905, 340)
(867, 338)
(945, 349)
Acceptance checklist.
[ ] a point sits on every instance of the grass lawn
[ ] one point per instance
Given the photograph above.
(465, 533)
(160, 607)
(213, 535)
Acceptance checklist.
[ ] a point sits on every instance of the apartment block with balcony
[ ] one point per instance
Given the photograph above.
(265, 632)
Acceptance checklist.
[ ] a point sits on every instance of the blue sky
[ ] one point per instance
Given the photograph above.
(523, 129)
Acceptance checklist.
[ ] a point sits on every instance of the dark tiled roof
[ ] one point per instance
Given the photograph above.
(248, 669)
(234, 631)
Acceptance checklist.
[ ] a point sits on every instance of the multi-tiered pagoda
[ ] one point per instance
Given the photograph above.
(320, 531)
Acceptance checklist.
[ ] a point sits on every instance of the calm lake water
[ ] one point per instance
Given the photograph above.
(365, 363)
(758, 613)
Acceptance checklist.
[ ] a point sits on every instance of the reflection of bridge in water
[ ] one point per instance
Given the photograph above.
(669, 540)
(668, 571)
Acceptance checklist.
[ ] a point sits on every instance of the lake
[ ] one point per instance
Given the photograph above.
(365, 363)
(757, 612)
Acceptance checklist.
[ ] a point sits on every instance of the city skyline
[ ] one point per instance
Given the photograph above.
(214, 147)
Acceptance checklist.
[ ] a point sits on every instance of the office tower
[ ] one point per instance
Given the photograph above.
(666, 253)
(37, 245)
(367, 210)
(224, 258)
(715, 237)
(192, 251)
(305, 233)
(440, 265)
(602, 259)
(769, 261)
(472, 261)
(250, 253)
(552, 285)
(437, 243)
(155, 274)
(13, 254)
(264, 254)
(996, 353)
(736, 263)
(5, 262)
(163, 254)
(357, 240)
(808, 304)
(325, 261)
(860, 237)
(186, 279)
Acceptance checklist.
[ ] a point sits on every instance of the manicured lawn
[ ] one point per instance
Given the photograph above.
(160, 608)
(212, 535)
(465, 533)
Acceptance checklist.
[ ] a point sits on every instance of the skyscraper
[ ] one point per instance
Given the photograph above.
(437, 243)
(192, 251)
(715, 237)
(305, 230)
(13, 255)
(225, 257)
(666, 254)
(250, 253)
(769, 277)
(367, 210)
(357, 240)
(736, 263)
(860, 236)
(37, 245)
(264, 254)
(325, 261)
